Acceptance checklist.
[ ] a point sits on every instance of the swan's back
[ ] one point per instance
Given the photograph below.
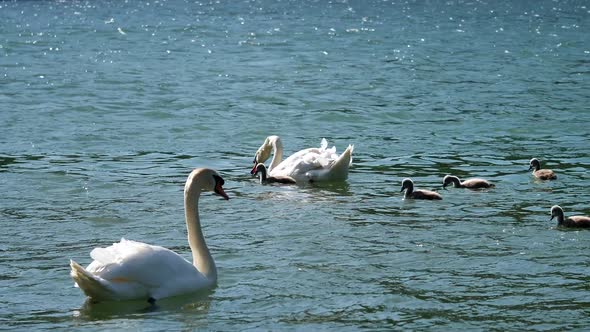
(424, 194)
(316, 164)
(133, 259)
(297, 162)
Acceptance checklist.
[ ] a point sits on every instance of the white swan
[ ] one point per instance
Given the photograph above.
(308, 165)
(133, 270)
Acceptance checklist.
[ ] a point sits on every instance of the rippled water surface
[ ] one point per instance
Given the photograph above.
(105, 107)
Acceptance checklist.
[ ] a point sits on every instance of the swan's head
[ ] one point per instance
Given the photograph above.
(264, 151)
(205, 179)
(534, 164)
(448, 179)
(556, 211)
(260, 168)
(407, 184)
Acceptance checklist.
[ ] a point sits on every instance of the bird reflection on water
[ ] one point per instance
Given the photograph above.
(196, 303)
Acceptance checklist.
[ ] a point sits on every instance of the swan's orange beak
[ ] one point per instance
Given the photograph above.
(219, 191)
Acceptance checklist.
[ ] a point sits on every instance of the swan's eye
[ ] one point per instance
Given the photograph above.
(255, 161)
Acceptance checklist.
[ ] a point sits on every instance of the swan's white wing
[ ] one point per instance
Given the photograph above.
(301, 162)
(290, 165)
(136, 262)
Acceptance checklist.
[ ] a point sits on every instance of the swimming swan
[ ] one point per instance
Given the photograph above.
(541, 173)
(264, 179)
(474, 183)
(571, 221)
(408, 186)
(308, 165)
(133, 270)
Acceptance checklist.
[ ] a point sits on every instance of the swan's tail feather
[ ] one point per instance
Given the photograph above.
(344, 161)
(348, 153)
(93, 286)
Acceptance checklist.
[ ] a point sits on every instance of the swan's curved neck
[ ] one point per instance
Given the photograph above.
(455, 180)
(560, 217)
(202, 258)
(277, 156)
(409, 189)
(262, 171)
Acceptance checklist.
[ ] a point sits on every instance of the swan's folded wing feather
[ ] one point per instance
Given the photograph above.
(314, 163)
(298, 165)
(132, 261)
(288, 166)
(118, 251)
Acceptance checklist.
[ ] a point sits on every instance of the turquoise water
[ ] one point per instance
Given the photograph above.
(105, 107)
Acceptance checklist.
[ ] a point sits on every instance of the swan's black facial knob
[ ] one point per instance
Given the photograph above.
(219, 182)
